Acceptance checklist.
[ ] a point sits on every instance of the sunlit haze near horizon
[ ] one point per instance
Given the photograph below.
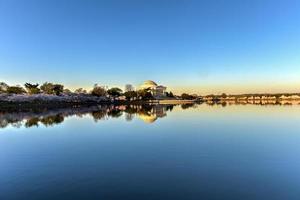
(204, 46)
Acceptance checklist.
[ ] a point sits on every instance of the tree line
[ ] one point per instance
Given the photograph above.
(46, 88)
(59, 89)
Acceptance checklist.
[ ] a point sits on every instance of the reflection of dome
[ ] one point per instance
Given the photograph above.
(148, 84)
(148, 118)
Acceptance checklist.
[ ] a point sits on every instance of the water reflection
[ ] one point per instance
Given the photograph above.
(148, 113)
(190, 152)
(253, 102)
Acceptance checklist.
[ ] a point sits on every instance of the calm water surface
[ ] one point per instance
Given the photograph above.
(161, 152)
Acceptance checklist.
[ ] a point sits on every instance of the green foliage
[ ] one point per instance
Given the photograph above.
(169, 107)
(130, 110)
(170, 94)
(186, 96)
(98, 115)
(51, 120)
(58, 89)
(114, 92)
(115, 113)
(186, 106)
(47, 88)
(80, 91)
(130, 95)
(277, 96)
(145, 94)
(50, 88)
(15, 90)
(32, 122)
(67, 91)
(224, 95)
(98, 91)
(3, 87)
(32, 88)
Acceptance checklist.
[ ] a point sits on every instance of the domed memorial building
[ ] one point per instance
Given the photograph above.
(158, 91)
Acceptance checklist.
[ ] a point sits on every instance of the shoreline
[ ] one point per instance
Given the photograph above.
(36, 107)
(31, 106)
(38, 102)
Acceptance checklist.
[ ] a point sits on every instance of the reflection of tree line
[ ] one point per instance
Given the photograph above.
(148, 113)
(47, 121)
(261, 102)
(44, 117)
(188, 105)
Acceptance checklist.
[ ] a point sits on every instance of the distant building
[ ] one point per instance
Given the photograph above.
(128, 88)
(158, 91)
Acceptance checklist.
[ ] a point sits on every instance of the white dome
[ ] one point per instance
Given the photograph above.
(148, 84)
(147, 118)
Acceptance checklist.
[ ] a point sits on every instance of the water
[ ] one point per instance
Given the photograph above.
(161, 152)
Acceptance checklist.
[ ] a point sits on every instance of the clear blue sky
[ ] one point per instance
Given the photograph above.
(203, 46)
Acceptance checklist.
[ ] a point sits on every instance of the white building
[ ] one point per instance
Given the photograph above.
(157, 91)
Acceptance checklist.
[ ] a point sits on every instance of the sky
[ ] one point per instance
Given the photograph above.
(196, 46)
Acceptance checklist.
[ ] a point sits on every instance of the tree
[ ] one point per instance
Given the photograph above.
(169, 94)
(130, 95)
(47, 88)
(98, 115)
(3, 87)
(58, 89)
(32, 122)
(51, 120)
(50, 88)
(128, 88)
(187, 96)
(98, 91)
(277, 96)
(211, 96)
(224, 95)
(80, 91)
(115, 113)
(145, 94)
(32, 88)
(15, 90)
(114, 92)
(67, 91)
(186, 106)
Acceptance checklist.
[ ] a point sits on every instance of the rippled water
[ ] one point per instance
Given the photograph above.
(151, 152)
